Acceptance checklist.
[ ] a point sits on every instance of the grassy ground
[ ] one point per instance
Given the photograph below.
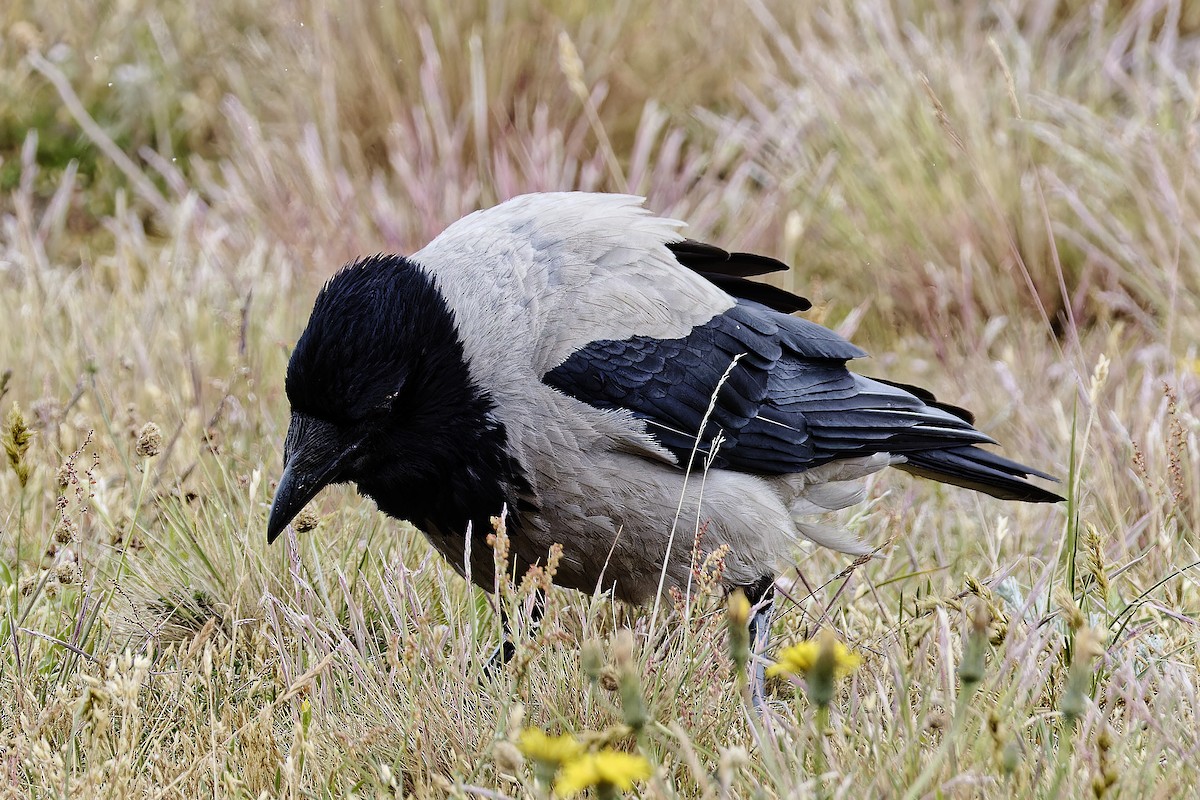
(999, 200)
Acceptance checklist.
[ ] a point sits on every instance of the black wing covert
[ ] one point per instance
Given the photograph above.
(774, 396)
(788, 403)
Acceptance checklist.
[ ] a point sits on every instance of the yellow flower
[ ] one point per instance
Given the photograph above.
(800, 659)
(795, 660)
(555, 750)
(608, 769)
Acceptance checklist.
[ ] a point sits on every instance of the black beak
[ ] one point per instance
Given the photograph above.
(316, 454)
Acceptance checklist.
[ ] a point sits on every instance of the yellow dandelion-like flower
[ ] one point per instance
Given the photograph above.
(539, 746)
(607, 770)
(801, 659)
(795, 660)
(822, 661)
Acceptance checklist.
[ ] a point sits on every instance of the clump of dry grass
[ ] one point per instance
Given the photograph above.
(998, 199)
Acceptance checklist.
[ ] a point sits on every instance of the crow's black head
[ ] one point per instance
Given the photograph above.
(380, 333)
(381, 396)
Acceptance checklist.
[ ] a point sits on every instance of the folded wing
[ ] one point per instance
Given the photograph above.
(758, 391)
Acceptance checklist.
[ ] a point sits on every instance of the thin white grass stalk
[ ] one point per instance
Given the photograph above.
(662, 575)
(467, 571)
(708, 462)
(55, 640)
(572, 67)
(54, 218)
(1060, 275)
(599, 588)
(479, 109)
(1069, 541)
(144, 186)
(1190, 143)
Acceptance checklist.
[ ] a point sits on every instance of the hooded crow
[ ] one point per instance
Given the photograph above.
(572, 358)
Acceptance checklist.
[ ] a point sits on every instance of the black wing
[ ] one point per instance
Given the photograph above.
(784, 402)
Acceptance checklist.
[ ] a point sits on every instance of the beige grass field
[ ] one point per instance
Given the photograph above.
(1001, 201)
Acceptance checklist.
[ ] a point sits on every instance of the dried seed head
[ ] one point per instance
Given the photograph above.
(553, 557)
(1089, 644)
(26, 35)
(306, 520)
(731, 759)
(1096, 561)
(498, 541)
(66, 531)
(508, 758)
(937, 720)
(46, 413)
(571, 65)
(1071, 611)
(16, 439)
(608, 678)
(67, 573)
(149, 443)
(1099, 377)
(516, 720)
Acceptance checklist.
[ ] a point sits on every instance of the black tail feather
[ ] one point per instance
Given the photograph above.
(975, 468)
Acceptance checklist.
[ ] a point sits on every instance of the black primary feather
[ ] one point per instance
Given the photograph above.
(730, 270)
(926, 396)
(709, 258)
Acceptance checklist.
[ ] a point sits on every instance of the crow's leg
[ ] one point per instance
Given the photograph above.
(761, 595)
(506, 649)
